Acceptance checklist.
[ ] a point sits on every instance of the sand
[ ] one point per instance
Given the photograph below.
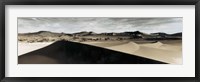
(28, 47)
(167, 52)
(162, 51)
(67, 52)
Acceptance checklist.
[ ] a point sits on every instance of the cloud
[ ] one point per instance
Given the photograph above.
(99, 24)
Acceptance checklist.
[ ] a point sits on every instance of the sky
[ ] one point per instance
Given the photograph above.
(100, 24)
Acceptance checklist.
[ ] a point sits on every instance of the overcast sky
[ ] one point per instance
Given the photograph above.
(99, 25)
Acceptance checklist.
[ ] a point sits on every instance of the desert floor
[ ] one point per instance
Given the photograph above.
(166, 51)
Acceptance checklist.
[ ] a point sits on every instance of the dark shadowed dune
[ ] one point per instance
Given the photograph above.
(66, 52)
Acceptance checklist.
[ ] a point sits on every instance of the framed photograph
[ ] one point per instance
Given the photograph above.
(99, 40)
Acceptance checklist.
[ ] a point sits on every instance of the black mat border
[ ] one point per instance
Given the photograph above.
(98, 2)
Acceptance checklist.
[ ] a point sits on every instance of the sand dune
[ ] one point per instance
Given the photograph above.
(159, 54)
(65, 52)
(153, 45)
(129, 47)
(160, 45)
(28, 47)
(158, 51)
(165, 52)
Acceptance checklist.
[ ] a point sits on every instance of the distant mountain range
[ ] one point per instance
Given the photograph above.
(42, 36)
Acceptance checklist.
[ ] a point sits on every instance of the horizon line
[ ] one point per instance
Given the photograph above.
(97, 32)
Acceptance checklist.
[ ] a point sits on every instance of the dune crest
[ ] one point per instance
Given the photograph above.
(153, 45)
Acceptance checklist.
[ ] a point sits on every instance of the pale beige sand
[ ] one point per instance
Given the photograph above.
(160, 54)
(173, 47)
(129, 47)
(169, 53)
(28, 47)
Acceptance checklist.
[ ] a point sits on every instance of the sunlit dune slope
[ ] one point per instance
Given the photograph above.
(170, 53)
